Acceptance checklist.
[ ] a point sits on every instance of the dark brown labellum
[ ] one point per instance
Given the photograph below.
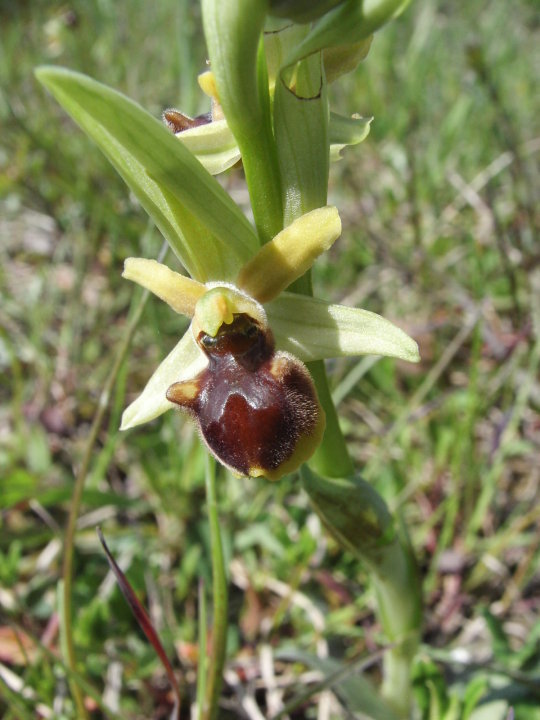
(257, 409)
(178, 122)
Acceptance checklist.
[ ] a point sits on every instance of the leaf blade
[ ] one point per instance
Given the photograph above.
(204, 226)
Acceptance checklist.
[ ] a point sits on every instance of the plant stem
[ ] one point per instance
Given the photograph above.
(219, 600)
(358, 518)
(233, 32)
(332, 458)
(69, 538)
(202, 666)
(399, 603)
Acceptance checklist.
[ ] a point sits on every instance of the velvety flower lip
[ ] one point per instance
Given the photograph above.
(309, 328)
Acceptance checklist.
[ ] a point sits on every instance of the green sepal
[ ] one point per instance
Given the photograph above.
(313, 329)
(213, 145)
(184, 362)
(202, 224)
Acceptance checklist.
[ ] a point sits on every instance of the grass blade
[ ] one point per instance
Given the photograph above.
(144, 621)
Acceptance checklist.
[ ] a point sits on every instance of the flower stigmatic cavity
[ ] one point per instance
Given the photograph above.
(256, 408)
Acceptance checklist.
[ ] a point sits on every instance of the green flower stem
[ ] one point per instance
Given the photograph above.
(202, 667)
(220, 600)
(75, 506)
(233, 32)
(358, 518)
(399, 603)
(332, 457)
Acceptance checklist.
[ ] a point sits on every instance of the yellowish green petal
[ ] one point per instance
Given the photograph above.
(178, 291)
(290, 254)
(207, 83)
(183, 362)
(215, 148)
(312, 329)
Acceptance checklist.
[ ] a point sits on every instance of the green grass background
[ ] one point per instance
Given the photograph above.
(439, 207)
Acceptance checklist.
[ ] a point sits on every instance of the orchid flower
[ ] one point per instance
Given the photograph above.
(219, 248)
(304, 327)
(211, 140)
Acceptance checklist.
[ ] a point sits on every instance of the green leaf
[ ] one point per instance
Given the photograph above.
(353, 689)
(353, 512)
(474, 692)
(429, 688)
(499, 639)
(17, 486)
(313, 329)
(202, 224)
(493, 710)
(358, 518)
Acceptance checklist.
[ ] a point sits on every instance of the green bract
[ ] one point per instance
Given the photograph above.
(301, 11)
(347, 24)
(203, 226)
